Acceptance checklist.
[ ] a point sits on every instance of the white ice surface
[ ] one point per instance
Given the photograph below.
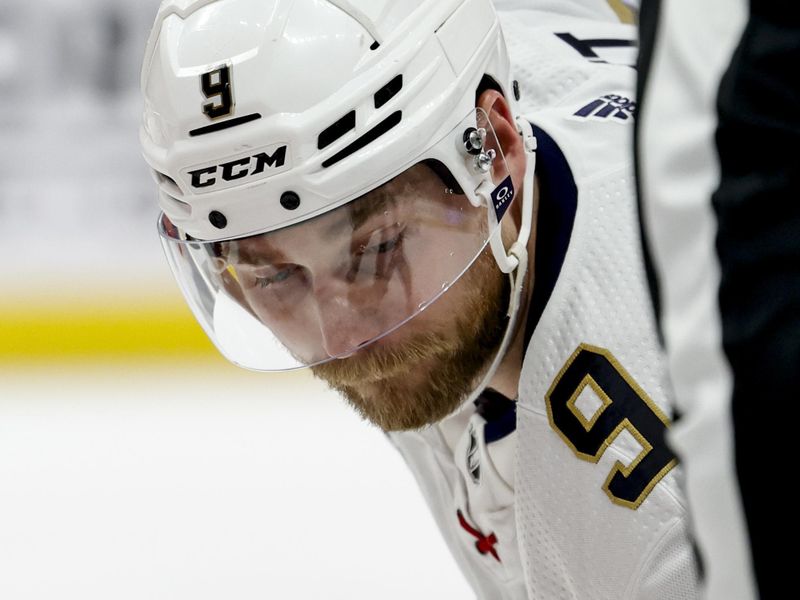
(147, 483)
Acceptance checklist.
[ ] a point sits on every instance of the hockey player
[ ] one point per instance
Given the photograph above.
(369, 189)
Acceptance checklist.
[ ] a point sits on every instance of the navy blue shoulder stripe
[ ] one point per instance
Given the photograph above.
(558, 203)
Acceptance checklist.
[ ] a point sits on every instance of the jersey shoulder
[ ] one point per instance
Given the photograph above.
(577, 83)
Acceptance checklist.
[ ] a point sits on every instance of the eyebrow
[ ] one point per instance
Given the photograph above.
(353, 215)
(264, 254)
(365, 208)
(358, 212)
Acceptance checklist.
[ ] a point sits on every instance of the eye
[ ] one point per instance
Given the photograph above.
(279, 277)
(384, 247)
(387, 246)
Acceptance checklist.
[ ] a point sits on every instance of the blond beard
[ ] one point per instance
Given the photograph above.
(427, 377)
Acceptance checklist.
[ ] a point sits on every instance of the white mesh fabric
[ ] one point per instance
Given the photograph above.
(587, 9)
(664, 573)
(545, 69)
(576, 543)
(548, 70)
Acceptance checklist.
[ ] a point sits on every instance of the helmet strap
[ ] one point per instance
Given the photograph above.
(518, 253)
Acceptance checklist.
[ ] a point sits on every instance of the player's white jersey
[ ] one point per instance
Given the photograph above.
(615, 11)
(578, 496)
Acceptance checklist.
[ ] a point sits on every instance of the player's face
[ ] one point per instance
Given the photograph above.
(424, 371)
(346, 279)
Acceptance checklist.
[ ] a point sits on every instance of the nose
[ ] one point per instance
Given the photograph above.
(347, 320)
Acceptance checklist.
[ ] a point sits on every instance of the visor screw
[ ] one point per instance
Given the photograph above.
(485, 159)
(217, 219)
(515, 85)
(290, 201)
(473, 140)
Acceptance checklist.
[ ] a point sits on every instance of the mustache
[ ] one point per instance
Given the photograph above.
(374, 363)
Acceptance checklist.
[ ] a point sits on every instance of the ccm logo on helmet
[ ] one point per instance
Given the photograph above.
(231, 172)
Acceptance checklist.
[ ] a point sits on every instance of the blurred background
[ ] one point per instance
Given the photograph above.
(135, 462)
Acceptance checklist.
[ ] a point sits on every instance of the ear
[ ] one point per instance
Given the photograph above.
(496, 106)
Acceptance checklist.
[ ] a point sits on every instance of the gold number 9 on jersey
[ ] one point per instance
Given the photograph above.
(590, 422)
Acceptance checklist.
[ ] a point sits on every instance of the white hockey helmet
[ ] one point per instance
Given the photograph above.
(323, 172)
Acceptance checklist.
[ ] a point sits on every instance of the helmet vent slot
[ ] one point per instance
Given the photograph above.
(177, 207)
(389, 91)
(170, 185)
(337, 130)
(373, 134)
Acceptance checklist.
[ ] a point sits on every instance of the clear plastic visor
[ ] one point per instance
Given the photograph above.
(330, 286)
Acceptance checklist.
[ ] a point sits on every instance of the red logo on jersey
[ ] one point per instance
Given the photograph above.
(485, 544)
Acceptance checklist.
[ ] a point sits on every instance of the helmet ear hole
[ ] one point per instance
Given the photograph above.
(487, 83)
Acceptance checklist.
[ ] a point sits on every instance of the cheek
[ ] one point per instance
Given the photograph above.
(465, 301)
(438, 255)
(296, 326)
(430, 270)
